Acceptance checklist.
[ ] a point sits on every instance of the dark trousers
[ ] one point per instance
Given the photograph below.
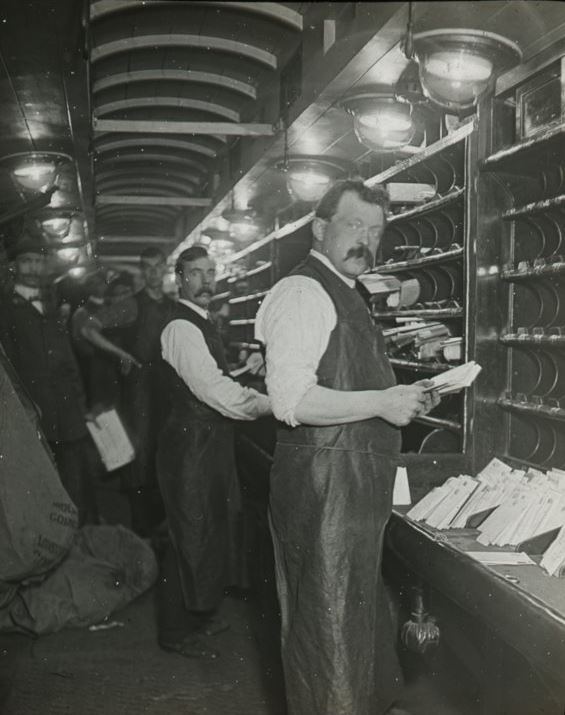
(76, 462)
(174, 621)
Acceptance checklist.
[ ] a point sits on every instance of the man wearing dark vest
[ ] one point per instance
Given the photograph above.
(334, 392)
(36, 340)
(196, 465)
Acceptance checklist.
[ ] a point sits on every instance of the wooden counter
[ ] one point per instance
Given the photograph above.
(514, 630)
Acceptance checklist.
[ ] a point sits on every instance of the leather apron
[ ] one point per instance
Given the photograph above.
(331, 497)
(199, 486)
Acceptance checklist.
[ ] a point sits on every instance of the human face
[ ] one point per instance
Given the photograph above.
(198, 281)
(119, 293)
(153, 271)
(351, 237)
(30, 268)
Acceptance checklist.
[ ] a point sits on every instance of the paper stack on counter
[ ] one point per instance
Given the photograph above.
(553, 560)
(455, 379)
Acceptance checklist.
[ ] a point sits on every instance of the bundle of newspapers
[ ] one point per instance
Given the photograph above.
(509, 505)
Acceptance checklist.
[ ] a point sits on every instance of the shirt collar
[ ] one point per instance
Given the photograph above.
(326, 261)
(27, 292)
(195, 308)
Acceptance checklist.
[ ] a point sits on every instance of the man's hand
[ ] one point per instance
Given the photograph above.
(127, 361)
(402, 403)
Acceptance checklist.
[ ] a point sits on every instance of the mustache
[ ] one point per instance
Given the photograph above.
(360, 252)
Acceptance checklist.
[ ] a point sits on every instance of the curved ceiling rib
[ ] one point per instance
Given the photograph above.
(140, 174)
(272, 10)
(206, 42)
(155, 158)
(158, 101)
(222, 80)
(142, 184)
(155, 141)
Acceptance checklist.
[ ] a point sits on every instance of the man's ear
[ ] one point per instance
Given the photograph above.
(318, 226)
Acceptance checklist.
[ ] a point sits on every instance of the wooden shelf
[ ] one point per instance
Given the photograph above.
(533, 341)
(435, 367)
(535, 151)
(420, 313)
(534, 208)
(439, 423)
(251, 272)
(543, 271)
(247, 298)
(533, 410)
(424, 262)
(428, 207)
(242, 321)
(430, 151)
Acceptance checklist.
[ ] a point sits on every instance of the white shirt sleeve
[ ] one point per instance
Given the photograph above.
(294, 323)
(184, 348)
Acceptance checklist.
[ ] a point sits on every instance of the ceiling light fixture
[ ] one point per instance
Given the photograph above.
(381, 122)
(457, 66)
(309, 177)
(34, 172)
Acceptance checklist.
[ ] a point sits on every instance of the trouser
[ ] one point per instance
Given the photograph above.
(174, 620)
(76, 463)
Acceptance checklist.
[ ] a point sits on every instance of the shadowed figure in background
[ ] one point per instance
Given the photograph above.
(35, 338)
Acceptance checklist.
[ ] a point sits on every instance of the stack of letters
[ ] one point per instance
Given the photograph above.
(510, 506)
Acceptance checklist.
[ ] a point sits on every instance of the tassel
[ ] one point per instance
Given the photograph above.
(421, 632)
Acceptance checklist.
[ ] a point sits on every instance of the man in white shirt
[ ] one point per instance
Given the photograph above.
(196, 464)
(334, 392)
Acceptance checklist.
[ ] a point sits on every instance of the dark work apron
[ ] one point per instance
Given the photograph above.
(198, 481)
(145, 390)
(331, 497)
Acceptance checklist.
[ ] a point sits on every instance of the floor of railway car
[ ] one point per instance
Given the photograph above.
(122, 671)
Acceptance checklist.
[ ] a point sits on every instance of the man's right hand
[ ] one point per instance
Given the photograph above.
(402, 403)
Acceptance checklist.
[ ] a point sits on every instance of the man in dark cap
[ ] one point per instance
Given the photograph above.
(35, 338)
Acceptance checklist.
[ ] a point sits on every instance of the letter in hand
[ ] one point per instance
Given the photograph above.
(402, 403)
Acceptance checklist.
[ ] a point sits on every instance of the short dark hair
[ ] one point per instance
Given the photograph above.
(122, 279)
(152, 252)
(327, 205)
(192, 253)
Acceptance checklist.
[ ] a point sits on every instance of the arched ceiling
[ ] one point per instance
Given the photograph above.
(165, 105)
(159, 70)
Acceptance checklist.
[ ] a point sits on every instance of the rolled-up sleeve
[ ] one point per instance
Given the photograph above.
(184, 348)
(294, 323)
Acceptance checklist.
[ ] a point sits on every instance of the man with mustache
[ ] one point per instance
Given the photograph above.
(334, 392)
(196, 465)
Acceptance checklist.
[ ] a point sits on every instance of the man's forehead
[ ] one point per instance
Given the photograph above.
(203, 263)
(352, 203)
(148, 262)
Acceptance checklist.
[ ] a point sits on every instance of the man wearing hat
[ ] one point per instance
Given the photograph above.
(35, 338)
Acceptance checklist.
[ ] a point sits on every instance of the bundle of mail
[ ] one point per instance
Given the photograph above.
(421, 340)
(515, 505)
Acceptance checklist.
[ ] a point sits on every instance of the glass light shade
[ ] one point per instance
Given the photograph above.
(381, 122)
(243, 225)
(220, 246)
(56, 226)
(458, 66)
(35, 172)
(69, 254)
(309, 178)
